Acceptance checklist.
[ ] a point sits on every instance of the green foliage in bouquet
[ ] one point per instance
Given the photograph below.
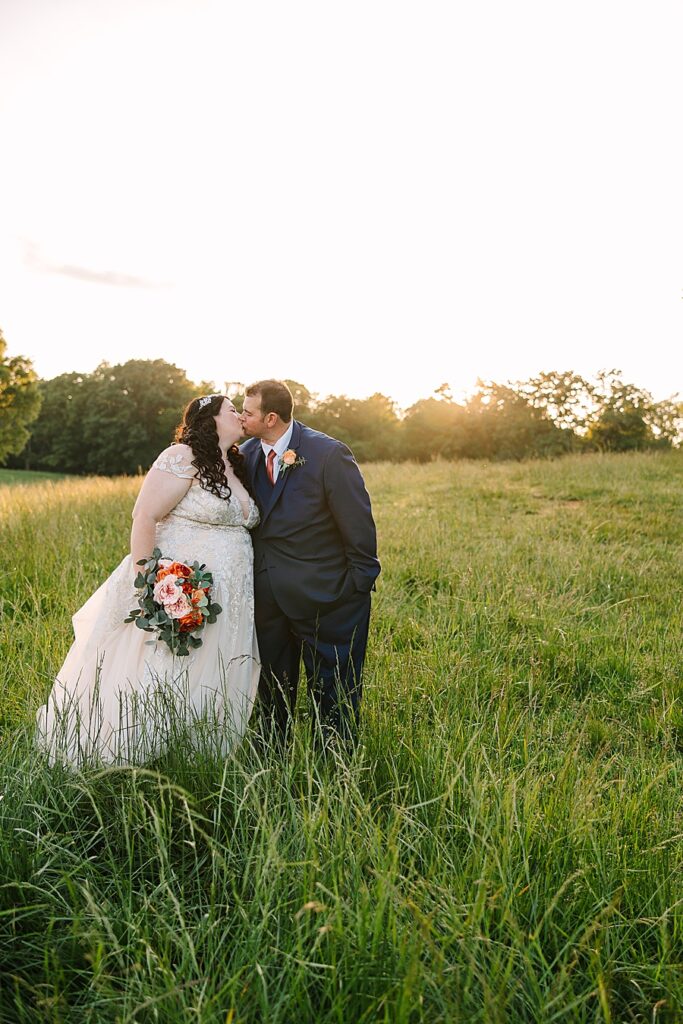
(174, 602)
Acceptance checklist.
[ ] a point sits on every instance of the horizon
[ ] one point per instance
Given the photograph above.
(457, 396)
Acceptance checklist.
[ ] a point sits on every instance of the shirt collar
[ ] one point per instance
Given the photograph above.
(282, 444)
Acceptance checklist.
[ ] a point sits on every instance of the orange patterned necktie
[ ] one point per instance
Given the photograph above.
(269, 466)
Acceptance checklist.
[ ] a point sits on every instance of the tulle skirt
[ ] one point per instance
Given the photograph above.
(123, 698)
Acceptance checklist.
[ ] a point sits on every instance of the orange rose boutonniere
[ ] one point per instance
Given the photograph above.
(290, 459)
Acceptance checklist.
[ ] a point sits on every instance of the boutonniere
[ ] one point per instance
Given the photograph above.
(290, 460)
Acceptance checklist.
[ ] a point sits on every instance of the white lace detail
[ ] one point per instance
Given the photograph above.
(176, 459)
(200, 506)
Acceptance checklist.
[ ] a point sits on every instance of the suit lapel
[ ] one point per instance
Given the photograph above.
(283, 477)
(257, 474)
(252, 457)
(262, 484)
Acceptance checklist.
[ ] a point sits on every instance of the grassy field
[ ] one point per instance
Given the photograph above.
(21, 476)
(507, 843)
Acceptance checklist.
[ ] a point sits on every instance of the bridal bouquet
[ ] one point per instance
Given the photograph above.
(174, 602)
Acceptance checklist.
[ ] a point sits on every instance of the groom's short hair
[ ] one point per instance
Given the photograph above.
(275, 397)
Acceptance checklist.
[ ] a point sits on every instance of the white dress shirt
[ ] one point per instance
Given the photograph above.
(280, 447)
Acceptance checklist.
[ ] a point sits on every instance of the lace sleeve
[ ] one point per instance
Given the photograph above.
(177, 459)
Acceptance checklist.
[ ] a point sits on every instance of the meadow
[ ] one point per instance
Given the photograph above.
(18, 476)
(506, 843)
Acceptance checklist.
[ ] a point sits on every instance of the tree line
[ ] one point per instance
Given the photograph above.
(116, 419)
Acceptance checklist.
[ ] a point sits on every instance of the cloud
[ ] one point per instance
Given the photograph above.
(34, 259)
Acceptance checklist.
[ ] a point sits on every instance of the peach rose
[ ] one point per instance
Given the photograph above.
(179, 608)
(289, 457)
(166, 591)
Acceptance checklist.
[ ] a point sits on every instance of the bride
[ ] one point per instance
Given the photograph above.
(121, 698)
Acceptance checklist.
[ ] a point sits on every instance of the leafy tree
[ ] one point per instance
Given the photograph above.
(627, 418)
(369, 426)
(504, 424)
(132, 413)
(565, 397)
(304, 400)
(114, 420)
(434, 427)
(19, 401)
(118, 418)
(666, 422)
(234, 389)
(57, 439)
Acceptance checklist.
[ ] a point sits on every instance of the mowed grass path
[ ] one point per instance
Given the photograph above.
(507, 843)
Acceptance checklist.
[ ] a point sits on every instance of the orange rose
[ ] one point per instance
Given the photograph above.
(179, 568)
(197, 595)
(190, 622)
(289, 457)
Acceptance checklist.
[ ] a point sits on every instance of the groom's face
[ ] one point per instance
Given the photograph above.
(252, 417)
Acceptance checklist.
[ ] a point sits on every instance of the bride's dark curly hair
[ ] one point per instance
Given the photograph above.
(198, 429)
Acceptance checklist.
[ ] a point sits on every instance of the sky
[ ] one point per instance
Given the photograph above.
(365, 196)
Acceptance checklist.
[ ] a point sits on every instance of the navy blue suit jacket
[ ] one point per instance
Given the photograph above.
(316, 539)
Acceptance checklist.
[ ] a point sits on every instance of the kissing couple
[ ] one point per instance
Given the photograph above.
(275, 537)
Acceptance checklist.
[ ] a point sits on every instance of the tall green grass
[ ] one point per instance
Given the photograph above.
(23, 476)
(505, 845)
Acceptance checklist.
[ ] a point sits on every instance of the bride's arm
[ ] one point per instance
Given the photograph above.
(160, 492)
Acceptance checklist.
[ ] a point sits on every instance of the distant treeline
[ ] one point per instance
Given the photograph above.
(116, 419)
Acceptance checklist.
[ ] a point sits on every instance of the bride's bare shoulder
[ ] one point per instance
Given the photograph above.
(176, 459)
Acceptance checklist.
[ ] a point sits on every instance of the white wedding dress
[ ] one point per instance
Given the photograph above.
(119, 699)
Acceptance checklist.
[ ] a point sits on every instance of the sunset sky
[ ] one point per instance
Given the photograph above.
(362, 196)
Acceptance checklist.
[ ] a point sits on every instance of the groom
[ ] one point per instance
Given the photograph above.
(315, 562)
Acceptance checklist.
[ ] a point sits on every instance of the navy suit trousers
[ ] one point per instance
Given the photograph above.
(333, 648)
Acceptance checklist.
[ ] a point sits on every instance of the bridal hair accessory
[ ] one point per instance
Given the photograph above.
(206, 399)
